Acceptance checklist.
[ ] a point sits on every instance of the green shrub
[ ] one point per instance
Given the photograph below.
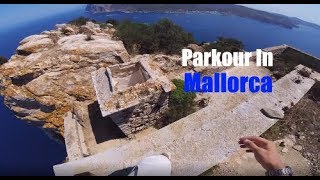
(137, 37)
(112, 21)
(181, 104)
(79, 21)
(163, 36)
(171, 37)
(3, 60)
(225, 45)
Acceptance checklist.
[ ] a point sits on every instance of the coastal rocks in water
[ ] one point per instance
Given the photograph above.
(53, 70)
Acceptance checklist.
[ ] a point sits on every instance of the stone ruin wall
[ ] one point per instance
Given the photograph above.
(294, 55)
(143, 115)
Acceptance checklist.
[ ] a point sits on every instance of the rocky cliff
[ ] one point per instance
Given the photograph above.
(52, 71)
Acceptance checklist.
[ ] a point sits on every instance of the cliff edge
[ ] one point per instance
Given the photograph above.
(52, 71)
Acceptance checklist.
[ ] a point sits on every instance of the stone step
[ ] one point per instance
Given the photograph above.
(74, 138)
(200, 140)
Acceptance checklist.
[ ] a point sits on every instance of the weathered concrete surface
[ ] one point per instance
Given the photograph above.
(199, 141)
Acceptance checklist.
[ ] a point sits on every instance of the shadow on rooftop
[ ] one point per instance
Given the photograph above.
(104, 129)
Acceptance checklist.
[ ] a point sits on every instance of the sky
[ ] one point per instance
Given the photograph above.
(13, 14)
(307, 12)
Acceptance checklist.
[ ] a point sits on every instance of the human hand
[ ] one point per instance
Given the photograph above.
(265, 152)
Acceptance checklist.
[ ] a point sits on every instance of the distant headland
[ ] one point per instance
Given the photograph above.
(224, 9)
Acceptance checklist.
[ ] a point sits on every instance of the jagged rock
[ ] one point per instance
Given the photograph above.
(90, 28)
(297, 147)
(285, 150)
(51, 74)
(60, 26)
(45, 32)
(271, 113)
(292, 138)
(198, 69)
(92, 25)
(35, 43)
(195, 47)
(302, 137)
(167, 63)
(112, 30)
(101, 48)
(68, 31)
(86, 30)
(282, 144)
(33, 38)
(286, 142)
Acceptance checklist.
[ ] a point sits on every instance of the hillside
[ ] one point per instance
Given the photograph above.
(225, 9)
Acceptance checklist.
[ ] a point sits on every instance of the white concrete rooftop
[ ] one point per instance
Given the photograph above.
(202, 139)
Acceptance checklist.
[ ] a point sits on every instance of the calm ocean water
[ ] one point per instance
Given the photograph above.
(26, 150)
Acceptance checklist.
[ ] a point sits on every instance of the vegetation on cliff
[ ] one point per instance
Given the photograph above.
(3, 60)
(163, 36)
(80, 21)
(225, 45)
(181, 104)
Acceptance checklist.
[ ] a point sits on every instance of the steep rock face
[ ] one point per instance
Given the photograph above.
(52, 71)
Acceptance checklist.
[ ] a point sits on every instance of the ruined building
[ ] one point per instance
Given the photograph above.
(134, 95)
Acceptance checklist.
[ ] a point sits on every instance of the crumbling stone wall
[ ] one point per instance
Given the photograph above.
(134, 95)
(143, 115)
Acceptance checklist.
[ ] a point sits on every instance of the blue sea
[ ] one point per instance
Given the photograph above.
(27, 150)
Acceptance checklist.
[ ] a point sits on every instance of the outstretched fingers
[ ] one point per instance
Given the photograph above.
(253, 143)
(259, 141)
